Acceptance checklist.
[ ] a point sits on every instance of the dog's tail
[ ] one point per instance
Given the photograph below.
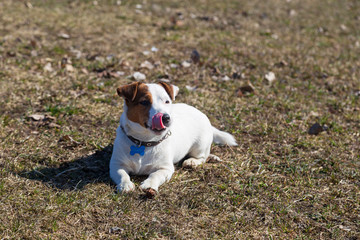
(223, 138)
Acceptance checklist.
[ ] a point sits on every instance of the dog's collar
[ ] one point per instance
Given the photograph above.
(146, 144)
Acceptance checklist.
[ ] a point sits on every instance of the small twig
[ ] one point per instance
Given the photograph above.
(67, 170)
(190, 180)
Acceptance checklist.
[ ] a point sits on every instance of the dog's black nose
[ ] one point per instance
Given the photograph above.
(166, 119)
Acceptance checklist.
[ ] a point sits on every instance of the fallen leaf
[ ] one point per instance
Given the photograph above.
(115, 230)
(54, 125)
(85, 71)
(109, 58)
(314, 114)
(205, 18)
(270, 77)
(195, 56)
(147, 65)
(247, 88)
(105, 73)
(125, 64)
(225, 78)
(282, 63)
(190, 88)
(48, 67)
(138, 76)
(76, 53)
(28, 5)
(11, 54)
(175, 21)
(239, 93)
(39, 120)
(236, 75)
(67, 138)
(63, 62)
(77, 94)
(343, 27)
(33, 43)
(292, 13)
(173, 65)
(344, 228)
(100, 59)
(315, 129)
(68, 142)
(37, 117)
(69, 68)
(114, 74)
(185, 64)
(215, 71)
(64, 36)
(91, 57)
(34, 53)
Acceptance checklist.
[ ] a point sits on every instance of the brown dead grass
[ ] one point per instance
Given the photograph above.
(279, 183)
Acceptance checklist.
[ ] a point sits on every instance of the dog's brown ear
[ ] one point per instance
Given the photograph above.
(128, 91)
(172, 90)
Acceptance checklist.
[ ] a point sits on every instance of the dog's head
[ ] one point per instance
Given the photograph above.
(148, 106)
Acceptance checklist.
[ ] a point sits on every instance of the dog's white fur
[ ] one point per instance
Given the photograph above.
(191, 136)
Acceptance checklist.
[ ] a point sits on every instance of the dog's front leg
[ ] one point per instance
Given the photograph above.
(122, 180)
(157, 178)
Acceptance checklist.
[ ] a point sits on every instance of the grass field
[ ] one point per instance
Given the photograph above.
(60, 65)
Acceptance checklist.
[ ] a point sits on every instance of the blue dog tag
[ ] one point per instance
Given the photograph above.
(137, 150)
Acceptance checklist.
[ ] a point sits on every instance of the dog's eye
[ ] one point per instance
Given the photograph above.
(167, 101)
(145, 103)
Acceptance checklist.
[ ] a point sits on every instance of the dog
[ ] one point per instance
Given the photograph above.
(155, 134)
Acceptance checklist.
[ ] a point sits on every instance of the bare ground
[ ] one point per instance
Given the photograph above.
(60, 64)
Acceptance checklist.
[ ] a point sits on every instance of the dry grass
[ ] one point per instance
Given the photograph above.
(279, 183)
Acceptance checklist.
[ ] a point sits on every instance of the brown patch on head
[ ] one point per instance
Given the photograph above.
(138, 99)
(128, 91)
(169, 89)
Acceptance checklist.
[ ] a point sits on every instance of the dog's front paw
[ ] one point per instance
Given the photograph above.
(124, 187)
(147, 184)
(150, 193)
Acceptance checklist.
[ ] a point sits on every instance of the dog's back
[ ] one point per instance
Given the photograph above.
(191, 132)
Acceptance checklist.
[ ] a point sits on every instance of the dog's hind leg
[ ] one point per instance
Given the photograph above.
(213, 159)
(197, 156)
(193, 162)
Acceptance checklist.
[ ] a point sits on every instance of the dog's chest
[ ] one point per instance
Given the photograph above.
(145, 164)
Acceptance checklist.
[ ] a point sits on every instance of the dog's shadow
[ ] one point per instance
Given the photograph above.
(75, 175)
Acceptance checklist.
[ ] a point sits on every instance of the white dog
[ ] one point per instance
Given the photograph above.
(154, 134)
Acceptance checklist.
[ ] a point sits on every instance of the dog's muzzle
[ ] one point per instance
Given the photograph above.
(160, 121)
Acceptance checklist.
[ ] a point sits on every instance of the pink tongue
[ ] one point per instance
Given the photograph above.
(157, 122)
